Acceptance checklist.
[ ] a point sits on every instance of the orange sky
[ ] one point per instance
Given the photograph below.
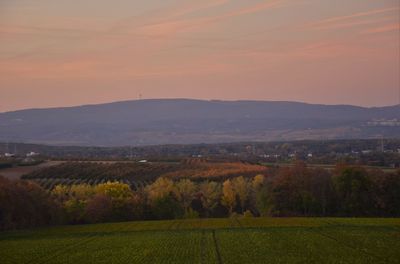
(61, 53)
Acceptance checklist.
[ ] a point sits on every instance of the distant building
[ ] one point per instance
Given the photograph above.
(32, 154)
(310, 155)
(384, 122)
(9, 155)
(142, 161)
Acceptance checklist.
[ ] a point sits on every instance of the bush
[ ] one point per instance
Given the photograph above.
(248, 214)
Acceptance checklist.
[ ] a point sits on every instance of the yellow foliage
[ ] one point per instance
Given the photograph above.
(211, 193)
(81, 191)
(258, 181)
(240, 187)
(185, 191)
(228, 195)
(114, 190)
(160, 188)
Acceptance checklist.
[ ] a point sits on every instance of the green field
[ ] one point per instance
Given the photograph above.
(232, 240)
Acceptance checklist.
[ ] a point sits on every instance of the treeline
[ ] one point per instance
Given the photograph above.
(292, 191)
(354, 151)
(24, 204)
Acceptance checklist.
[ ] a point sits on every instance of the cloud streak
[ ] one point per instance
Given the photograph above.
(163, 15)
(168, 28)
(356, 15)
(223, 46)
(355, 19)
(383, 29)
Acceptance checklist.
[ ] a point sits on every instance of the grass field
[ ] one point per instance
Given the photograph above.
(233, 240)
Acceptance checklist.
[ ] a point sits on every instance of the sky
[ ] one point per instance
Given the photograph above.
(64, 53)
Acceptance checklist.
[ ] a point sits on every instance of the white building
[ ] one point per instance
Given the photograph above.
(32, 154)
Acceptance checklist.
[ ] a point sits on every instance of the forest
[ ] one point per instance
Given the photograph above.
(346, 191)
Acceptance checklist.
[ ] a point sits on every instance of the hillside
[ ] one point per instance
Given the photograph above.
(169, 121)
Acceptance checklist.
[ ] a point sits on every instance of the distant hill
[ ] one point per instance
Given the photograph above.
(170, 121)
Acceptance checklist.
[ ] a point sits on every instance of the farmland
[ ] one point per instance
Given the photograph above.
(228, 240)
(17, 171)
(135, 174)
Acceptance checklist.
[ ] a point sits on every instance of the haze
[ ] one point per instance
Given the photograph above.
(60, 53)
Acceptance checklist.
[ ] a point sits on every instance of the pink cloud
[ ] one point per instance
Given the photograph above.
(164, 15)
(348, 21)
(382, 29)
(168, 28)
(350, 24)
(356, 15)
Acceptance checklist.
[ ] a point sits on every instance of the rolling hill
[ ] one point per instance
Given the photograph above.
(170, 121)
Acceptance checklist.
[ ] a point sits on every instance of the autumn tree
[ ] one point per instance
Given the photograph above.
(289, 194)
(75, 210)
(60, 193)
(259, 195)
(388, 194)
(24, 204)
(74, 199)
(354, 191)
(99, 209)
(241, 190)
(185, 190)
(210, 195)
(81, 192)
(228, 195)
(162, 197)
(162, 187)
(122, 199)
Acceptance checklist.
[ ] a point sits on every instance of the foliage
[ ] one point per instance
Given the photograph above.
(167, 207)
(161, 188)
(185, 190)
(242, 189)
(24, 204)
(210, 195)
(353, 189)
(297, 190)
(228, 195)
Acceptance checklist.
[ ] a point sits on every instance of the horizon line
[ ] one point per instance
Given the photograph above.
(191, 99)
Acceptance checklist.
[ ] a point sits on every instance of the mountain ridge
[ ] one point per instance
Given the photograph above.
(169, 121)
(201, 100)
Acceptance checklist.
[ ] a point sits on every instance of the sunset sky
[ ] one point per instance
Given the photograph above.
(62, 53)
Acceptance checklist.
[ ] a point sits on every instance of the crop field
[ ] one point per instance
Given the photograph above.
(17, 172)
(230, 240)
(326, 166)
